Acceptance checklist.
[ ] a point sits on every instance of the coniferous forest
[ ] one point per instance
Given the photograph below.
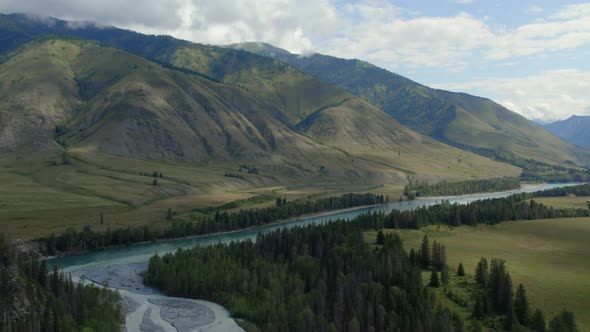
(318, 278)
(328, 278)
(417, 188)
(35, 299)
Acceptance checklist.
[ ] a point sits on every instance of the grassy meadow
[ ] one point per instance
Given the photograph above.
(40, 195)
(565, 202)
(549, 257)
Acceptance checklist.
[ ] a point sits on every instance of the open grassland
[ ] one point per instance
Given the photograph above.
(565, 202)
(549, 257)
(40, 195)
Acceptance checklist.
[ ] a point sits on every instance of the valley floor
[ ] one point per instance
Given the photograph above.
(40, 195)
(549, 257)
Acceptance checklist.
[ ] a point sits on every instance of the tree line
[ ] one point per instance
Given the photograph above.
(88, 239)
(416, 188)
(488, 211)
(497, 297)
(34, 299)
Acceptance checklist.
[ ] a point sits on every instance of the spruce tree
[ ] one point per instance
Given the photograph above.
(425, 250)
(538, 321)
(564, 322)
(521, 306)
(380, 237)
(481, 272)
(444, 275)
(461, 270)
(434, 281)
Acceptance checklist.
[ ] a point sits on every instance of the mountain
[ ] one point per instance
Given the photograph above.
(160, 98)
(458, 119)
(575, 130)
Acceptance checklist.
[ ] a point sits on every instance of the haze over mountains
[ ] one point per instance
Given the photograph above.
(574, 130)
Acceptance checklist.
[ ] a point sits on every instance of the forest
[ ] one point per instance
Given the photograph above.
(328, 278)
(87, 239)
(489, 211)
(318, 278)
(416, 188)
(35, 299)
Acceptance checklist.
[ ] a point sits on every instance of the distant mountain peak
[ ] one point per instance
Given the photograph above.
(574, 130)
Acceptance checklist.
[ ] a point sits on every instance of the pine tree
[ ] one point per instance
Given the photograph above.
(478, 309)
(538, 321)
(435, 257)
(461, 270)
(380, 237)
(521, 306)
(413, 257)
(425, 250)
(564, 322)
(481, 272)
(444, 275)
(434, 281)
(43, 275)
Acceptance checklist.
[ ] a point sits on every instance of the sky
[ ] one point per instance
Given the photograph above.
(531, 56)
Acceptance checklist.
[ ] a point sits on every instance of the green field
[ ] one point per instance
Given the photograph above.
(38, 198)
(549, 257)
(565, 202)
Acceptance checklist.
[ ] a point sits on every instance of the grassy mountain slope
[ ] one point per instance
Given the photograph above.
(575, 130)
(456, 118)
(289, 98)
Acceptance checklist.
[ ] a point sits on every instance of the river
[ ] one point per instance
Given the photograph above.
(148, 310)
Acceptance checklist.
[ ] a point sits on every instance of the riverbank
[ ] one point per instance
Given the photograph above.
(147, 309)
(276, 223)
(527, 187)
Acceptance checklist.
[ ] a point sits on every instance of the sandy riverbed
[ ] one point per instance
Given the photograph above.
(147, 310)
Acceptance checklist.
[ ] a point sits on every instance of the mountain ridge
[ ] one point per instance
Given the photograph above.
(123, 104)
(574, 130)
(456, 118)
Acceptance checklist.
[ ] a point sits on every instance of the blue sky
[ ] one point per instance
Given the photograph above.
(531, 56)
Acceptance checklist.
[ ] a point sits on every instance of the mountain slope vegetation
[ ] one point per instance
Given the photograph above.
(195, 102)
(459, 119)
(574, 130)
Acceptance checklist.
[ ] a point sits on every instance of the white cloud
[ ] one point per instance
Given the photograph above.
(534, 10)
(291, 24)
(375, 30)
(389, 39)
(463, 2)
(548, 96)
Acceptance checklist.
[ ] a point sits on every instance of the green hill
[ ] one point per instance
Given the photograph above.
(99, 99)
(458, 119)
(183, 101)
